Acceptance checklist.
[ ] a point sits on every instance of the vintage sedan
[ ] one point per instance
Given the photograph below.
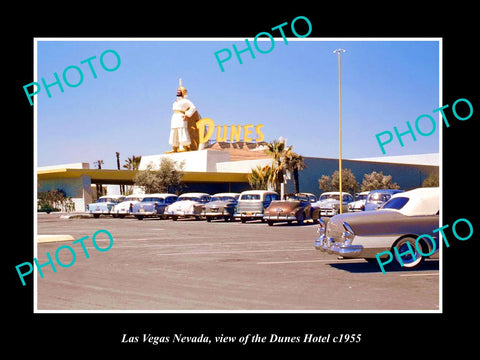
(104, 205)
(188, 205)
(252, 204)
(125, 207)
(221, 206)
(329, 203)
(294, 207)
(153, 205)
(359, 203)
(376, 198)
(399, 221)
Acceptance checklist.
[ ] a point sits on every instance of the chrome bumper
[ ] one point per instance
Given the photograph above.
(248, 215)
(280, 217)
(329, 245)
(328, 212)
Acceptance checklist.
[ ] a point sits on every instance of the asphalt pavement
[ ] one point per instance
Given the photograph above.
(189, 265)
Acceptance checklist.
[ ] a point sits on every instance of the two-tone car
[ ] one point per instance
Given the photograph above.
(188, 205)
(104, 205)
(125, 207)
(293, 207)
(396, 225)
(221, 206)
(153, 205)
(329, 203)
(252, 204)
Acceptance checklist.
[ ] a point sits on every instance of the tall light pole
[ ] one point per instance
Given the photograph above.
(339, 51)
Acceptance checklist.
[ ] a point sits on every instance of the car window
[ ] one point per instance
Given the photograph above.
(250, 197)
(330, 196)
(395, 203)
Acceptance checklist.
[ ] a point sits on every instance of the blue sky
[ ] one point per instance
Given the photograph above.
(292, 91)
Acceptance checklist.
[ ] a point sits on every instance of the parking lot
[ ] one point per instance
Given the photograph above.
(193, 265)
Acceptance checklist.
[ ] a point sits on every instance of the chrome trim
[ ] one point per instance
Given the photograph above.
(327, 244)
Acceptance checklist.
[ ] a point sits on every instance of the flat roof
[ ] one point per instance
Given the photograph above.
(110, 176)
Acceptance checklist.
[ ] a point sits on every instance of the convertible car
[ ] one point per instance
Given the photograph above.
(399, 221)
(294, 207)
(187, 205)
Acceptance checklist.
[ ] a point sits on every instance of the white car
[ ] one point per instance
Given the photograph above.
(126, 206)
(359, 203)
(329, 203)
(104, 205)
(187, 205)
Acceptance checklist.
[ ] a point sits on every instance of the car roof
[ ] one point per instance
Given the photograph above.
(258, 192)
(158, 195)
(226, 194)
(422, 201)
(135, 195)
(393, 191)
(194, 194)
(334, 192)
(111, 196)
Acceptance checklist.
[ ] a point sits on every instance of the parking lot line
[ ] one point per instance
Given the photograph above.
(436, 274)
(229, 252)
(301, 261)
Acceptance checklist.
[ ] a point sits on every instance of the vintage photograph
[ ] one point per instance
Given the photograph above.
(275, 173)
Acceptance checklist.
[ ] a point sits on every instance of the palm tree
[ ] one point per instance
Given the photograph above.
(132, 163)
(294, 163)
(277, 150)
(258, 178)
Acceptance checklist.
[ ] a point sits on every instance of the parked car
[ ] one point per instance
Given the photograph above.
(188, 205)
(359, 203)
(401, 220)
(125, 207)
(221, 205)
(252, 204)
(153, 205)
(311, 197)
(376, 198)
(294, 207)
(329, 203)
(104, 205)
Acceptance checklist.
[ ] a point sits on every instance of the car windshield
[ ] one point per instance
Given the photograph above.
(362, 197)
(395, 203)
(378, 197)
(151, 199)
(222, 198)
(250, 197)
(193, 198)
(346, 197)
(330, 196)
(109, 200)
(296, 197)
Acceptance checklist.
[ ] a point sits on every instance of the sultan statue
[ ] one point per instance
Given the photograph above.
(183, 133)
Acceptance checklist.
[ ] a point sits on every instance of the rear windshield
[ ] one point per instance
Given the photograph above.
(148, 199)
(395, 203)
(250, 197)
